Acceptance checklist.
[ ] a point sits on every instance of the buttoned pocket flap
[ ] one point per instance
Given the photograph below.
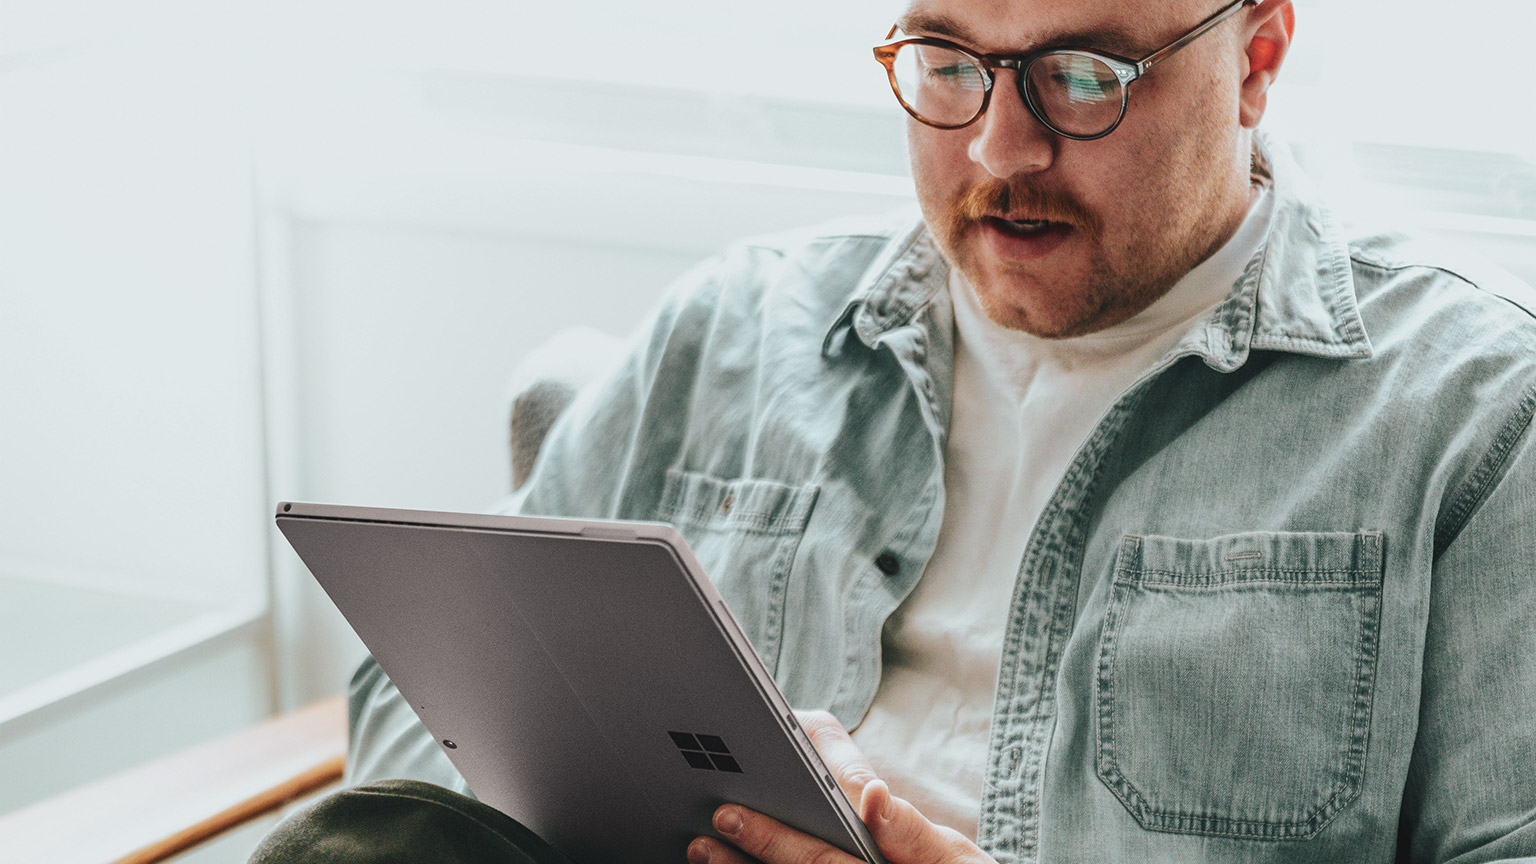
(745, 533)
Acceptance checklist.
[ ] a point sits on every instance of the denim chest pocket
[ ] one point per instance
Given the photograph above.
(745, 533)
(1235, 680)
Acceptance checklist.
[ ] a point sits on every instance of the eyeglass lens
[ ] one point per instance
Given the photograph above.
(1078, 94)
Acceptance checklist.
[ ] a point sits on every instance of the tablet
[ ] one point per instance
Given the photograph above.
(584, 677)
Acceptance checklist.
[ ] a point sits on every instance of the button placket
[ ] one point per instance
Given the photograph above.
(1051, 569)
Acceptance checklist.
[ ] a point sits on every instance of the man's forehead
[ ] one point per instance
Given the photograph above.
(1007, 26)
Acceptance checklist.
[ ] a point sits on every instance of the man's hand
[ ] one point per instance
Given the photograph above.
(904, 835)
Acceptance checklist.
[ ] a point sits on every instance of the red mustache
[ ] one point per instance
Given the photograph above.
(1018, 200)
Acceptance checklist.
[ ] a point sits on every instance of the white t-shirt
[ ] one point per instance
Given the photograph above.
(1023, 405)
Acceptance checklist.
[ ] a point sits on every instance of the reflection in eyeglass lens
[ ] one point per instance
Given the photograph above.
(945, 68)
(1075, 78)
(1079, 94)
(941, 84)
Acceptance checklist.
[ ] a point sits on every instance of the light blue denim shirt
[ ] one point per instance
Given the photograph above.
(1281, 607)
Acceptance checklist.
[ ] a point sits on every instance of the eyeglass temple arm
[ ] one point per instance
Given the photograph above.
(1168, 50)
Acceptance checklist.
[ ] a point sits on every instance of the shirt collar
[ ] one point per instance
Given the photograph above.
(1297, 293)
(903, 279)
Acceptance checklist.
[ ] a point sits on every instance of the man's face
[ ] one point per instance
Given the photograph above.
(1130, 213)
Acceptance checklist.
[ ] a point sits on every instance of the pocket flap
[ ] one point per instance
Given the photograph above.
(1256, 556)
(751, 505)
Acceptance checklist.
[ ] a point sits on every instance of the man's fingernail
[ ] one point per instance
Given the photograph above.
(698, 851)
(888, 809)
(727, 821)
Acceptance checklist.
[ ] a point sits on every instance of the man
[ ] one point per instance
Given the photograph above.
(1126, 508)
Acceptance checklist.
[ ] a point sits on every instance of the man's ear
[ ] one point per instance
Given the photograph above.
(1268, 32)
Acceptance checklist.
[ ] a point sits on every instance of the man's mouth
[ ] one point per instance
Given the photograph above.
(1026, 227)
(1024, 239)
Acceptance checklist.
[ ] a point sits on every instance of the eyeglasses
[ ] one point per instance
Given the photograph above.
(1075, 93)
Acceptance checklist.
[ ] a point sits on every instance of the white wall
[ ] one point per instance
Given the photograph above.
(131, 453)
(132, 483)
(412, 255)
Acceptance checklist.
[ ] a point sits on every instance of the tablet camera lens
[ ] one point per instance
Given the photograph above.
(450, 745)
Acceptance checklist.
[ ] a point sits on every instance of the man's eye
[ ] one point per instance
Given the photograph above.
(955, 75)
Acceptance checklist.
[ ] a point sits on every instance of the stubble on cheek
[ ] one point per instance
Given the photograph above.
(1108, 273)
(1103, 279)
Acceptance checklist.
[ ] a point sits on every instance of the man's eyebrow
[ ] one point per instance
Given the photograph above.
(1109, 38)
(926, 23)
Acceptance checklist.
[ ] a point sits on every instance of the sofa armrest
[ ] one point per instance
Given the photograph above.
(150, 813)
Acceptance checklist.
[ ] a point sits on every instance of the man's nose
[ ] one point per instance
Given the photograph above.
(1009, 139)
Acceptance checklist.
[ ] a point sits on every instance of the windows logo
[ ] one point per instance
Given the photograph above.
(705, 752)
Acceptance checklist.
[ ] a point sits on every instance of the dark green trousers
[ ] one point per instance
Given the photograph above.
(402, 822)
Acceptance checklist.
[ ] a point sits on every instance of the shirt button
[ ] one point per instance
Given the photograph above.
(888, 563)
(727, 504)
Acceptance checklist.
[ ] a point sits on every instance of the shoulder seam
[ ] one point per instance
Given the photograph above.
(1377, 264)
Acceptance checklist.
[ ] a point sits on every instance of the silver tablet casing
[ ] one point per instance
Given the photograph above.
(559, 657)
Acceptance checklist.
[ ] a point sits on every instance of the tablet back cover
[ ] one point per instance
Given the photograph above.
(589, 683)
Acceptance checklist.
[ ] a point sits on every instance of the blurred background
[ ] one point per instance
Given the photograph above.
(293, 250)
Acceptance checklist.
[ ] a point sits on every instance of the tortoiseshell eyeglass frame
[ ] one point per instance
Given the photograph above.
(1126, 69)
